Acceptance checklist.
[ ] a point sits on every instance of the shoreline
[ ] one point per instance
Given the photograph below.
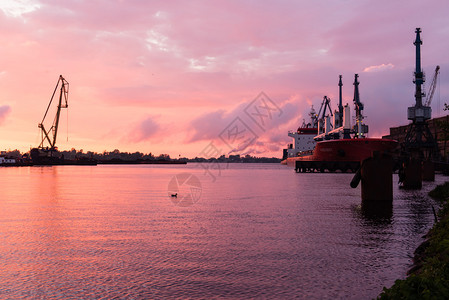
(94, 163)
(126, 162)
(428, 277)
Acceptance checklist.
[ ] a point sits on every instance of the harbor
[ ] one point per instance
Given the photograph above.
(330, 143)
(269, 150)
(121, 234)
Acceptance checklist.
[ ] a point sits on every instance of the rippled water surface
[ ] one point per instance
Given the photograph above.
(257, 231)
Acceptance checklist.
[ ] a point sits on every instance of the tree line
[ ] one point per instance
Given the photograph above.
(117, 155)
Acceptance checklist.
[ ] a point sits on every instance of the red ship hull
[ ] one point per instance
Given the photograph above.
(349, 149)
(341, 153)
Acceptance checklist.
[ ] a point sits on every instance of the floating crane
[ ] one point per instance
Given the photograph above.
(47, 147)
(63, 98)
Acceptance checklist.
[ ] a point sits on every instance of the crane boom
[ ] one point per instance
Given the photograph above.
(432, 86)
(51, 134)
(324, 106)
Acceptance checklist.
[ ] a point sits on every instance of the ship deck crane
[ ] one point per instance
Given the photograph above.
(49, 136)
(322, 116)
(324, 106)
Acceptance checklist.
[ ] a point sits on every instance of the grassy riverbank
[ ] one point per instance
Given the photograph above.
(429, 277)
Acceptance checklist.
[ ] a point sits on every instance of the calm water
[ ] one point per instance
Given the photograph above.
(258, 231)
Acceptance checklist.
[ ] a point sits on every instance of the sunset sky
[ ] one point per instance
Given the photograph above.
(170, 76)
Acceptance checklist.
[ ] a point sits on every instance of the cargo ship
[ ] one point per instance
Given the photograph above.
(339, 146)
(303, 140)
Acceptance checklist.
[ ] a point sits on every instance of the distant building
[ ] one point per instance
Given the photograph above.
(7, 160)
(438, 131)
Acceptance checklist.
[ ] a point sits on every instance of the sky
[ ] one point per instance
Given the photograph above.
(176, 77)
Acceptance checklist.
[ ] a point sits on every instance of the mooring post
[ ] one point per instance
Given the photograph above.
(428, 171)
(412, 174)
(376, 175)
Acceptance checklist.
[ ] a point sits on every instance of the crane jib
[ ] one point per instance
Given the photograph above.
(46, 136)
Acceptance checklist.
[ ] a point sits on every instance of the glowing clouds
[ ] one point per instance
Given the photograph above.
(261, 131)
(379, 68)
(18, 8)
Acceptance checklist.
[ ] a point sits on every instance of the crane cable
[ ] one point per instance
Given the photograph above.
(67, 124)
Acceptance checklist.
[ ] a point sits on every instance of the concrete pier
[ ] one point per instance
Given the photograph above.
(377, 178)
(428, 171)
(412, 174)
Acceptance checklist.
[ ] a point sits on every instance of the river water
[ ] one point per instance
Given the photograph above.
(241, 231)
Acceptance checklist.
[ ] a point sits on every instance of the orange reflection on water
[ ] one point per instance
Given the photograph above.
(257, 231)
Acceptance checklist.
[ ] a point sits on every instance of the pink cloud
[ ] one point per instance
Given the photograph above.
(210, 127)
(4, 111)
(378, 68)
(145, 130)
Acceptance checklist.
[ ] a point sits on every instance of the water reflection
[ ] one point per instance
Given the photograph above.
(258, 231)
(377, 212)
(419, 206)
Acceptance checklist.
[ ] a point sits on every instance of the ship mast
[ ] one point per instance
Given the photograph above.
(51, 134)
(359, 128)
(340, 103)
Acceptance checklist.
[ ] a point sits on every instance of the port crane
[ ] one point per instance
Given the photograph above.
(48, 137)
(419, 139)
(432, 87)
